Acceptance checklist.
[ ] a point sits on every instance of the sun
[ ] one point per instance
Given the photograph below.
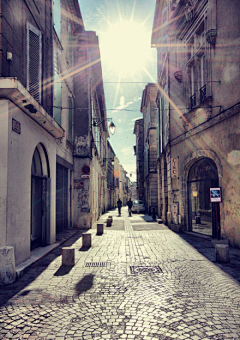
(125, 47)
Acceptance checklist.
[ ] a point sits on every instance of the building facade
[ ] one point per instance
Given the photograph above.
(53, 131)
(90, 134)
(149, 110)
(198, 114)
(29, 132)
(109, 164)
(139, 153)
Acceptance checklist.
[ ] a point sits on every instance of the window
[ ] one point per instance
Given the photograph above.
(70, 42)
(34, 61)
(70, 119)
(57, 17)
(197, 66)
(203, 89)
(57, 112)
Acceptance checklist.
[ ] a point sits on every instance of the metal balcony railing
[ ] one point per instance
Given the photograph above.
(193, 101)
(203, 93)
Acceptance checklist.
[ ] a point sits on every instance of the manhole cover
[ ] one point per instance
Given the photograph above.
(145, 269)
(95, 264)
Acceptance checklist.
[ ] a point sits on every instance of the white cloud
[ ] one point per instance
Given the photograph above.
(122, 101)
(122, 105)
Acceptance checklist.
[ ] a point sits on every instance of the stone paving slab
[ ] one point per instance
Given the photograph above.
(101, 297)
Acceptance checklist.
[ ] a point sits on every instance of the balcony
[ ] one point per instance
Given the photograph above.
(203, 93)
(193, 101)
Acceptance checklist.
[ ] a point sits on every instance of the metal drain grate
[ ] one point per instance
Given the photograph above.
(145, 269)
(133, 236)
(95, 264)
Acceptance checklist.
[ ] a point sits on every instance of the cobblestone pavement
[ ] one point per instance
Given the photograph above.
(139, 280)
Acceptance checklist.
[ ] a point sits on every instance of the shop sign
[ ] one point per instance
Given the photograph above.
(174, 167)
(16, 126)
(216, 195)
(175, 212)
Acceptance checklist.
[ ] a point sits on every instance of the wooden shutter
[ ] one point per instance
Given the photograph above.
(70, 119)
(34, 61)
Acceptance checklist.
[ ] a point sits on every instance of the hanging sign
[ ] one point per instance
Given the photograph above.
(216, 195)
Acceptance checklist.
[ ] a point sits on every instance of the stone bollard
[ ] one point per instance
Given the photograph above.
(99, 229)
(68, 257)
(109, 222)
(7, 266)
(86, 240)
(222, 253)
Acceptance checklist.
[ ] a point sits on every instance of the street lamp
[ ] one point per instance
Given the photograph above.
(99, 121)
(110, 159)
(197, 218)
(112, 128)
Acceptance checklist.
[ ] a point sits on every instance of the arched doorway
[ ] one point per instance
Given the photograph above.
(40, 198)
(203, 216)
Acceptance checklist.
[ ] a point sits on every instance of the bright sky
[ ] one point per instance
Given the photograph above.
(128, 64)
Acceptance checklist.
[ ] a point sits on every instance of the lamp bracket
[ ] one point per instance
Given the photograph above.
(99, 121)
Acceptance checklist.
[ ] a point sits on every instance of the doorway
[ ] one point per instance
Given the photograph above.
(40, 198)
(61, 198)
(203, 216)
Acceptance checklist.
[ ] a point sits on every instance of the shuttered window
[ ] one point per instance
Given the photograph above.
(70, 119)
(57, 17)
(34, 61)
(57, 90)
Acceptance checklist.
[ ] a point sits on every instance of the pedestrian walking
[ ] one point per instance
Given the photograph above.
(130, 204)
(119, 204)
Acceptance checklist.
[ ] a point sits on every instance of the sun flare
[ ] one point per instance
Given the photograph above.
(125, 47)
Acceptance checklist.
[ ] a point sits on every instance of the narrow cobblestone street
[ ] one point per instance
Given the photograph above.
(139, 280)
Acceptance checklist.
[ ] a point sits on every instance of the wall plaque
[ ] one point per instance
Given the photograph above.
(16, 126)
(174, 167)
(175, 208)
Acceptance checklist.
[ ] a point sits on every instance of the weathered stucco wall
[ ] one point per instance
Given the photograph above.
(18, 195)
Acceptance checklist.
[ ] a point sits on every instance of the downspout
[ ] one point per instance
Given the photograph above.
(90, 116)
(1, 39)
(52, 62)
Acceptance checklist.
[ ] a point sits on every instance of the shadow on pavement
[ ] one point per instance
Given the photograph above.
(32, 272)
(147, 218)
(84, 248)
(84, 284)
(63, 270)
(204, 247)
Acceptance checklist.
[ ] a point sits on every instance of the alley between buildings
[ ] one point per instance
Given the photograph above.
(139, 280)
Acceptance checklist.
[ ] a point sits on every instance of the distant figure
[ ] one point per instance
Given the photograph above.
(130, 204)
(119, 204)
